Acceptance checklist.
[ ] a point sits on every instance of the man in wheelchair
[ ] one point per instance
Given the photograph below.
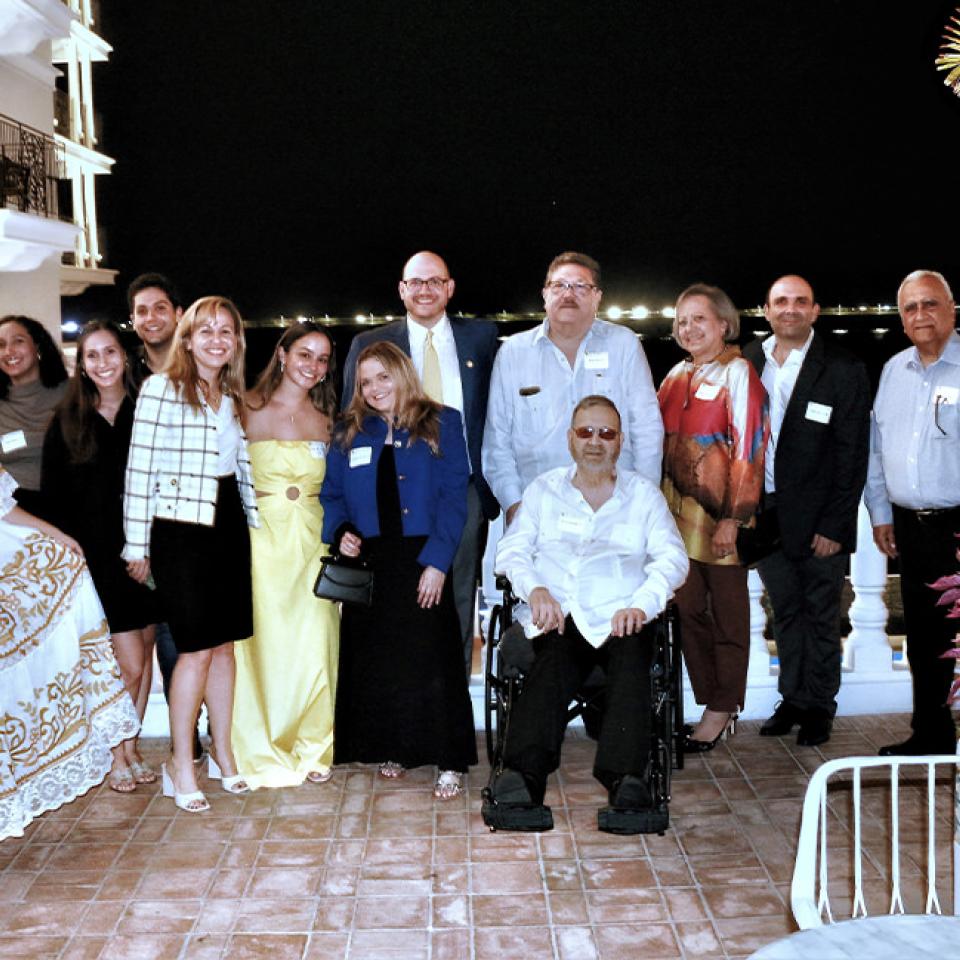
(596, 554)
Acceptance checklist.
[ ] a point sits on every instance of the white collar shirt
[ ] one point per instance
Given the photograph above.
(533, 390)
(446, 348)
(915, 435)
(779, 382)
(627, 553)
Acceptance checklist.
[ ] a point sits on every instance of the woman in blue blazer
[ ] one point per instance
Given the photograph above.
(396, 493)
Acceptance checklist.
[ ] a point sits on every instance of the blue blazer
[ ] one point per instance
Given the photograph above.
(433, 489)
(477, 344)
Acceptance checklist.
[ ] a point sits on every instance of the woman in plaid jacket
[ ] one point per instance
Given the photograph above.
(188, 501)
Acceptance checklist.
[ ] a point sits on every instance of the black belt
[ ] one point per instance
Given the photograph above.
(933, 514)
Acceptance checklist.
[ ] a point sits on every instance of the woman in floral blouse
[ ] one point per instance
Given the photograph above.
(716, 430)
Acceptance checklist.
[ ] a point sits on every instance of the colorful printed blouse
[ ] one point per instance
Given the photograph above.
(716, 425)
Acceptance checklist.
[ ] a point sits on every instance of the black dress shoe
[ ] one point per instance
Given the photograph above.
(515, 788)
(915, 746)
(815, 728)
(784, 718)
(631, 792)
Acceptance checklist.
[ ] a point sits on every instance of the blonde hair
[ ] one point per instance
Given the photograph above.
(181, 367)
(415, 411)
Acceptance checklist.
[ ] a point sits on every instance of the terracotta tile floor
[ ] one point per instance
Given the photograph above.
(362, 868)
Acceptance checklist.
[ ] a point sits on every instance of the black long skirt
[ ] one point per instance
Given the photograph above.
(203, 575)
(401, 690)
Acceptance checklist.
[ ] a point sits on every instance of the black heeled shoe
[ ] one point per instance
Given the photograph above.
(690, 745)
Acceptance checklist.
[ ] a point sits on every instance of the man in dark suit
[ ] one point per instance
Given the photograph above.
(454, 358)
(815, 468)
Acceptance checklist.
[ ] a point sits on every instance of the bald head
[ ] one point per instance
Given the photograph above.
(791, 310)
(426, 287)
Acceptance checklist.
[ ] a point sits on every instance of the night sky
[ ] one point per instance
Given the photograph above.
(291, 155)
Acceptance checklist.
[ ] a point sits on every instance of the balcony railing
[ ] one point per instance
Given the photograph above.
(31, 164)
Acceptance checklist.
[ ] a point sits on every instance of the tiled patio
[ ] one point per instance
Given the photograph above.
(361, 867)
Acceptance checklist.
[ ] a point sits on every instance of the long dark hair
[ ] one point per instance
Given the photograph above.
(322, 395)
(79, 404)
(52, 370)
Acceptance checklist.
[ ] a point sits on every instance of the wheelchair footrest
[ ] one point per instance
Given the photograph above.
(512, 816)
(626, 822)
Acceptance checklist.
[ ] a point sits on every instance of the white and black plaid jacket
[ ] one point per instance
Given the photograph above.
(172, 466)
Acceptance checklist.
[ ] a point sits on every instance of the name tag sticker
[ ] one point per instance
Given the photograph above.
(707, 391)
(819, 412)
(571, 524)
(360, 456)
(596, 361)
(947, 395)
(15, 440)
(318, 449)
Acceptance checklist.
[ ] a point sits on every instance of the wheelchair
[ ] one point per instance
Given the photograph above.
(509, 655)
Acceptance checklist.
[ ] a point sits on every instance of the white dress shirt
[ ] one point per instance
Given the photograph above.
(446, 349)
(915, 435)
(533, 390)
(779, 382)
(594, 563)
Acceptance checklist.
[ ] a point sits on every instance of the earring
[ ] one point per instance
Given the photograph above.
(323, 379)
(283, 364)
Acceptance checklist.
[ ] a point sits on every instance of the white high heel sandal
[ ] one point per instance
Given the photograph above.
(194, 802)
(234, 784)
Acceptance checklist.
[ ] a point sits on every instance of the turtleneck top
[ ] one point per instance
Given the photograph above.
(27, 408)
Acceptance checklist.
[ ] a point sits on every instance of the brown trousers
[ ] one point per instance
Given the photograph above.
(715, 634)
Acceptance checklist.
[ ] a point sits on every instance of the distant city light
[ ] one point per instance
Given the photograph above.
(361, 318)
(614, 313)
(863, 309)
(301, 318)
(839, 331)
(639, 313)
(669, 312)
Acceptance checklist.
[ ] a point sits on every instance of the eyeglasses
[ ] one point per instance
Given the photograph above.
(604, 433)
(936, 412)
(434, 284)
(578, 288)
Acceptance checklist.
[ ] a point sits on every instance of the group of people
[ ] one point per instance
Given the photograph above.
(204, 510)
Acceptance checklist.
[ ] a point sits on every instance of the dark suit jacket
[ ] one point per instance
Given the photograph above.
(820, 468)
(477, 345)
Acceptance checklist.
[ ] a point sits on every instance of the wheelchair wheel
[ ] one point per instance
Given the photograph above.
(493, 687)
(675, 673)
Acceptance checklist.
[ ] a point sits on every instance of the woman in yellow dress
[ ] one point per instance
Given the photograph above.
(286, 674)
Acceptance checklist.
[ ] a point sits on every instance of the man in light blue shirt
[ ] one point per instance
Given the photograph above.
(913, 494)
(540, 375)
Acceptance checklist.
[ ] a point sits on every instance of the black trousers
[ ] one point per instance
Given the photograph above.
(561, 665)
(805, 595)
(927, 549)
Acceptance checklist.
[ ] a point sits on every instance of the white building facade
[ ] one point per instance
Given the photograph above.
(48, 223)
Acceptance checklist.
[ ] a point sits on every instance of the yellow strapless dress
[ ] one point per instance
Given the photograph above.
(287, 672)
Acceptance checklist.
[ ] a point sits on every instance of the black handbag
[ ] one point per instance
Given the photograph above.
(344, 581)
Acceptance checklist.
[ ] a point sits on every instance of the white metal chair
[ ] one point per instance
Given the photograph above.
(810, 892)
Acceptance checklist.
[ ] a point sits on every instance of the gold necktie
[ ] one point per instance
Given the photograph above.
(432, 381)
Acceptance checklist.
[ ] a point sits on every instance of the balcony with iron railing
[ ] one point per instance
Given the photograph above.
(31, 168)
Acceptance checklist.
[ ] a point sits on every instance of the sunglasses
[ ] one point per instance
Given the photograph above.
(604, 433)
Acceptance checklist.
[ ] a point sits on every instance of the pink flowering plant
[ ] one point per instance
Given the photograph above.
(949, 589)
